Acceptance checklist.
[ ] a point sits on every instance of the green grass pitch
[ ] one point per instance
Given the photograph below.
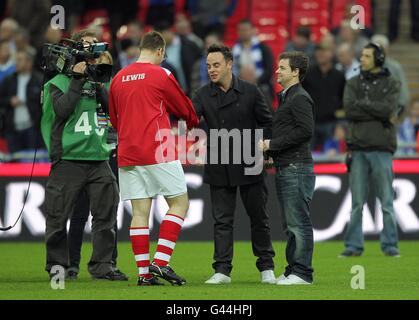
(22, 275)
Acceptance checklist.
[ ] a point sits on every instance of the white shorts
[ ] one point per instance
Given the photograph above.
(140, 182)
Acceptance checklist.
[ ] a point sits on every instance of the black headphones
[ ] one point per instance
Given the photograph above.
(379, 54)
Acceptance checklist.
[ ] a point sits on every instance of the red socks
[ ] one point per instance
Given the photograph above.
(169, 232)
(140, 242)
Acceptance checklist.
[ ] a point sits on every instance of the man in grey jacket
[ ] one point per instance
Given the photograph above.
(370, 102)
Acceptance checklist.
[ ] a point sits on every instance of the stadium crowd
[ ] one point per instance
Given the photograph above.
(189, 28)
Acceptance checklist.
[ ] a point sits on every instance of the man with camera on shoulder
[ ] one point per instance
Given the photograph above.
(74, 128)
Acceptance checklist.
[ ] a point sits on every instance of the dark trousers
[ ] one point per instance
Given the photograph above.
(223, 200)
(394, 17)
(322, 132)
(78, 222)
(66, 181)
(28, 139)
(295, 187)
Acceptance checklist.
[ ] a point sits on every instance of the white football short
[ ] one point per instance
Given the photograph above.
(140, 182)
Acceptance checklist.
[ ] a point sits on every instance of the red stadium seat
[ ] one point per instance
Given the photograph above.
(310, 18)
(91, 15)
(268, 5)
(310, 5)
(269, 18)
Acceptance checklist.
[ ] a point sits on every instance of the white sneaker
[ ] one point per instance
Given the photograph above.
(218, 278)
(281, 277)
(268, 276)
(292, 279)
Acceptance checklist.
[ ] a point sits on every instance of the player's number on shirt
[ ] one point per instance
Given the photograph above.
(83, 125)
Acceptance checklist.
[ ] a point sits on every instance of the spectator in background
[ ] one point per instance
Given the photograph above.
(129, 53)
(352, 36)
(325, 85)
(51, 36)
(7, 65)
(394, 17)
(254, 58)
(20, 101)
(200, 70)
(183, 28)
(35, 17)
(396, 70)
(127, 47)
(209, 16)
(302, 42)
(182, 54)
(336, 145)
(120, 13)
(160, 11)
(22, 39)
(409, 129)
(347, 63)
(8, 29)
(134, 32)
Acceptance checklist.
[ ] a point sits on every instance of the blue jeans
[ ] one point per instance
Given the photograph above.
(377, 166)
(295, 187)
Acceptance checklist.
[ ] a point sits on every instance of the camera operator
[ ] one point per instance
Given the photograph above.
(76, 141)
(81, 212)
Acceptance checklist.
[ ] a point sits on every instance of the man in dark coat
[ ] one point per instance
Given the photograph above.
(234, 109)
(20, 104)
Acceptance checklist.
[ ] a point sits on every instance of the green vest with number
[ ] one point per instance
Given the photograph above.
(82, 138)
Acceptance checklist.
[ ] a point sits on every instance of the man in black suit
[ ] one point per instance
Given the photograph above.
(292, 130)
(231, 105)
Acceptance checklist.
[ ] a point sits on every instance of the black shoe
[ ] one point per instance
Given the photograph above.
(349, 253)
(112, 276)
(121, 274)
(167, 274)
(153, 281)
(71, 275)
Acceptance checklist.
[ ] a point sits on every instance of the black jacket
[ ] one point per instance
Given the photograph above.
(326, 90)
(242, 107)
(292, 128)
(370, 102)
(190, 53)
(8, 89)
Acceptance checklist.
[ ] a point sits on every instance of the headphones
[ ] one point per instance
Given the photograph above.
(379, 55)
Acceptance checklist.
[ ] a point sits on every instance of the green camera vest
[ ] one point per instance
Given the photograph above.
(82, 138)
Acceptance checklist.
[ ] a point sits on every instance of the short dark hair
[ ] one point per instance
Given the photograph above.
(83, 33)
(304, 31)
(153, 41)
(246, 21)
(297, 60)
(224, 50)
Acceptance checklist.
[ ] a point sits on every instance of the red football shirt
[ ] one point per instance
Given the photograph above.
(141, 95)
